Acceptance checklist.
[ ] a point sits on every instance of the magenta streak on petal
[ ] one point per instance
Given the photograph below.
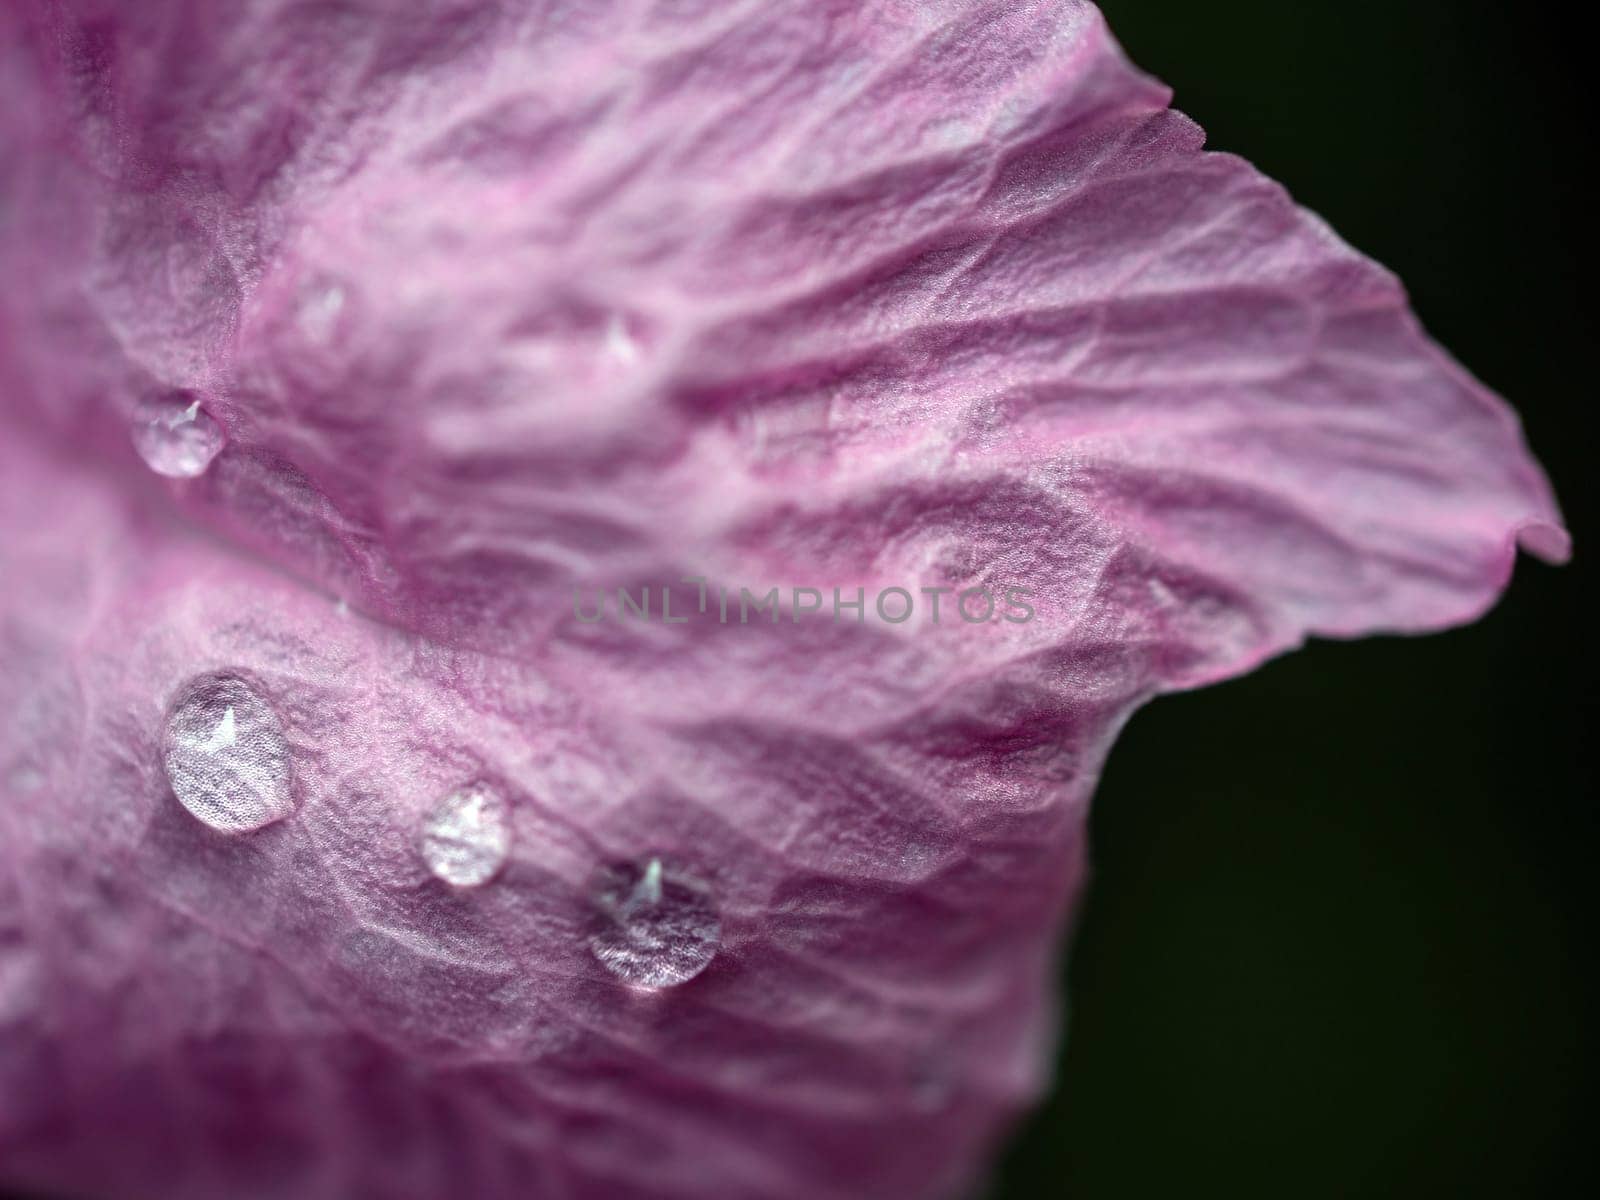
(495, 300)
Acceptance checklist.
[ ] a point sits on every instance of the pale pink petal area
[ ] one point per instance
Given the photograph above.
(357, 337)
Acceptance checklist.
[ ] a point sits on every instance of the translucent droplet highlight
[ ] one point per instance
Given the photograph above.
(466, 838)
(655, 924)
(176, 436)
(225, 755)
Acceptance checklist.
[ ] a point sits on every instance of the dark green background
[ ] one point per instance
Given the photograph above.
(1337, 943)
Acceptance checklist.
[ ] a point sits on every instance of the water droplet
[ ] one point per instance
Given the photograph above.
(175, 436)
(467, 836)
(226, 756)
(655, 925)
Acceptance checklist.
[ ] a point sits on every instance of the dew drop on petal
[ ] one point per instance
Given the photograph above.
(466, 838)
(654, 924)
(175, 436)
(225, 755)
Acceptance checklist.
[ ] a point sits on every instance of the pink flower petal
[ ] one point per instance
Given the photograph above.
(446, 315)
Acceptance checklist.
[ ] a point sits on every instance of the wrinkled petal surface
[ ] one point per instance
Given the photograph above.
(354, 338)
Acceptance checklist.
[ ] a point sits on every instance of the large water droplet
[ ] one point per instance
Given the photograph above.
(467, 836)
(655, 924)
(175, 436)
(225, 755)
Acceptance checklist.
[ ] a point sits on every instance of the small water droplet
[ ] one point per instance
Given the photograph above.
(466, 838)
(225, 755)
(175, 436)
(655, 925)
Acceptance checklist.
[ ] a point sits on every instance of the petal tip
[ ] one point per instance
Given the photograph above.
(1545, 540)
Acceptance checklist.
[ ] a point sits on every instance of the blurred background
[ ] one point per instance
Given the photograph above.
(1337, 942)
